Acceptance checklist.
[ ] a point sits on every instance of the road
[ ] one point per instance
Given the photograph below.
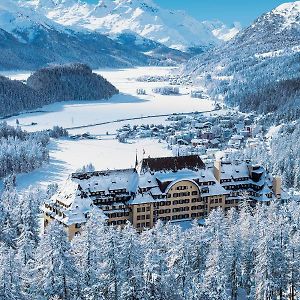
(138, 118)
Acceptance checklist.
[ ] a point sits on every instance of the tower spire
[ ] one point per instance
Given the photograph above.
(136, 159)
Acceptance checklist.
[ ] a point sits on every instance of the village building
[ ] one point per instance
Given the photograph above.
(169, 189)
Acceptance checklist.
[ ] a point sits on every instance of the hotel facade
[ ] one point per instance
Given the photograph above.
(170, 189)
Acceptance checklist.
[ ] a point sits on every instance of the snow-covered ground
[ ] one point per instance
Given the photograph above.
(67, 155)
(125, 105)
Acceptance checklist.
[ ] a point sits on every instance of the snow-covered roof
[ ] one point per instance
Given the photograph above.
(232, 170)
(107, 180)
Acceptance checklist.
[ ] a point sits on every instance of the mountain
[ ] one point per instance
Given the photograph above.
(259, 68)
(52, 84)
(174, 29)
(29, 40)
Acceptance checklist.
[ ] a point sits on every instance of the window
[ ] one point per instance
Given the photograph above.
(77, 225)
(194, 193)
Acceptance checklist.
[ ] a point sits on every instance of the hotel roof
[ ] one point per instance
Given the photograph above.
(192, 162)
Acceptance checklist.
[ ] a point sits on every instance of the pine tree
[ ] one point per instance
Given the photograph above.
(10, 279)
(216, 273)
(54, 271)
(86, 249)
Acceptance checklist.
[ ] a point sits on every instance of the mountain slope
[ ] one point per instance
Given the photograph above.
(29, 40)
(174, 29)
(259, 68)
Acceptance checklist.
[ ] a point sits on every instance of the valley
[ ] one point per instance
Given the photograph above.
(149, 149)
(104, 151)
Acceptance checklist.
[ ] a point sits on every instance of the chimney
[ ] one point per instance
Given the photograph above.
(277, 186)
(217, 170)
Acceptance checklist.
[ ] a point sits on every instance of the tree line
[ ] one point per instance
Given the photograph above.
(250, 254)
(53, 84)
(23, 152)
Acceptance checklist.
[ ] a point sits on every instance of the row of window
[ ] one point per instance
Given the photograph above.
(103, 201)
(183, 187)
(182, 201)
(198, 207)
(179, 209)
(185, 216)
(231, 201)
(119, 222)
(182, 194)
(119, 214)
(215, 200)
(143, 225)
(143, 209)
(180, 217)
(143, 217)
(113, 207)
(198, 215)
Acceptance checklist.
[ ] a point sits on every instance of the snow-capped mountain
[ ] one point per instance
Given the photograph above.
(175, 29)
(273, 34)
(261, 59)
(30, 40)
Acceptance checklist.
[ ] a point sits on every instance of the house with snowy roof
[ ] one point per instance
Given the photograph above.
(169, 189)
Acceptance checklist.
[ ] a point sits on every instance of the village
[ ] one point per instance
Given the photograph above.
(204, 134)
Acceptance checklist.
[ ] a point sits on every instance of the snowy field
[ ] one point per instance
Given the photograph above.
(125, 105)
(66, 156)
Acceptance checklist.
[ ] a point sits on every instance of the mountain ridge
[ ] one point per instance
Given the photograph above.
(174, 29)
(260, 62)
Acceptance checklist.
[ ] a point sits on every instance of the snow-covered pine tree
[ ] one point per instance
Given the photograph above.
(54, 272)
(10, 279)
(87, 251)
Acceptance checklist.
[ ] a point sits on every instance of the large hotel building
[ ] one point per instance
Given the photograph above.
(168, 188)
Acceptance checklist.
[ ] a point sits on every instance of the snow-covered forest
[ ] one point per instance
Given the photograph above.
(281, 156)
(52, 84)
(70, 82)
(251, 252)
(21, 151)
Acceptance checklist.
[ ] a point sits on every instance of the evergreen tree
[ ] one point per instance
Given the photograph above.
(54, 272)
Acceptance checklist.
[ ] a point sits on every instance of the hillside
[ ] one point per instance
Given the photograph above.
(174, 29)
(49, 85)
(70, 82)
(261, 76)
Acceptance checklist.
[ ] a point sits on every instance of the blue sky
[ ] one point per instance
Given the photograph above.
(227, 11)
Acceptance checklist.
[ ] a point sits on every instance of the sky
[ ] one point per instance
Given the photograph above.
(228, 11)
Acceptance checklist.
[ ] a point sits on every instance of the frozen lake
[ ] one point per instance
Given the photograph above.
(125, 105)
(66, 155)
